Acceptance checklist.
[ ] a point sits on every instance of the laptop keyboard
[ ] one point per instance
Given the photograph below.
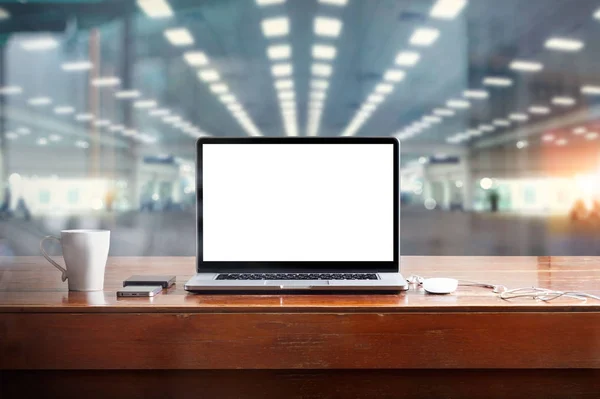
(297, 276)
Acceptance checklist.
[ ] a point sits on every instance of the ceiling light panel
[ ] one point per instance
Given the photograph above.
(320, 84)
(338, 3)
(518, 117)
(76, 66)
(563, 101)
(497, 81)
(407, 58)
(327, 27)
(179, 37)
(107, 81)
(209, 75)
(394, 75)
(41, 44)
(323, 70)
(276, 27)
(263, 3)
(281, 70)
(447, 9)
(155, 8)
(539, 110)
(279, 52)
(476, 94)
(219, 88)
(195, 58)
(564, 44)
(458, 104)
(424, 37)
(526, 66)
(284, 84)
(126, 94)
(591, 90)
(323, 52)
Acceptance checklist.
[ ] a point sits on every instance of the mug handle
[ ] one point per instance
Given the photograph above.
(59, 267)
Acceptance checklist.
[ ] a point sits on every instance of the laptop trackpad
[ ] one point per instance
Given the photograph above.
(297, 283)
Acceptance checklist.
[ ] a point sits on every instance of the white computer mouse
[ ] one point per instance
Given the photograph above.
(440, 285)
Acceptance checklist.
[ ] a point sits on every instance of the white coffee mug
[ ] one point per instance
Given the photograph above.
(85, 253)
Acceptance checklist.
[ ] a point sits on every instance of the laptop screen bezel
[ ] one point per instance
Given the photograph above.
(296, 267)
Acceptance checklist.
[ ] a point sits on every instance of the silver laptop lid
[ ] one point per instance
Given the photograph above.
(297, 205)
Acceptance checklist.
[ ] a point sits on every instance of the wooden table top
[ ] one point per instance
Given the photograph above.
(31, 284)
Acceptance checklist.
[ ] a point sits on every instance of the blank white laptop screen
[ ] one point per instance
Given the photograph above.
(298, 202)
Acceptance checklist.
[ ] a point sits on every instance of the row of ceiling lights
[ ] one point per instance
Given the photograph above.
(421, 37)
(526, 66)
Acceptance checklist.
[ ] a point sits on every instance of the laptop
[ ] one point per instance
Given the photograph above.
(299, 214)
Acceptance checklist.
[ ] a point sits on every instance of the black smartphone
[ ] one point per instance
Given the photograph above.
(163, 281)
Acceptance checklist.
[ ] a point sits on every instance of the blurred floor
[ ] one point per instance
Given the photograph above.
(422, 233)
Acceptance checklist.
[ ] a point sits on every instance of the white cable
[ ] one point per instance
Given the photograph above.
(542, 294)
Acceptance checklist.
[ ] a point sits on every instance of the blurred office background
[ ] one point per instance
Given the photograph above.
(496, 104)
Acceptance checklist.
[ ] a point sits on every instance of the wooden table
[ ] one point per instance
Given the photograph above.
(470, 343)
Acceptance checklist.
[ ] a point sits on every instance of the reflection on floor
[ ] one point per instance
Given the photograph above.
(422, 233)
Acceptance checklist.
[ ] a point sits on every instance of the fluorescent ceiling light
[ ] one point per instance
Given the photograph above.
(77, 66)
(116, 128)
(474, 132)
(591, 90)
(227, 98)
(106, 81)
(39, 101)
(394, 75)
(41, 44)
(129, 132)
(407, 58)
(486, 128)
(447, 9)
(84, 117)
(597, 14)
(288, 105)
(478, 94)
(279, 52)
(8, 90)
(323, 52)
(424, 36)
(145, 104)
(276, 27)
(171, 119)
(284, 84)
(497, 81)
(375, 99)
(280, 70)
(42, 141)
(235, 107)
(124, 94)
(458, 104)
(4, 14)
(317, 95)
(286, 95)
(24, 131)
(195, 58)
(384, 88)
(501, 122)
(64, 110)
(102, 123)
(563, 101)
(443, 112)
(563, 44)
(526, 66)
(159, 112)
(209, 75)
(579, 130)
(369, 107)
(12, 136)
(319, 84)
(219, 88)
(334, 2)
(179, 37)
(518, 117)
(155, 8)
(269, 2)
(432, 119)
(321, 70)
(328, 27)
(592, 136)
(536, 109)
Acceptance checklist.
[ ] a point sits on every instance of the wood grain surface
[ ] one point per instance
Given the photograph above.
(31, 284)
(467, 344)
